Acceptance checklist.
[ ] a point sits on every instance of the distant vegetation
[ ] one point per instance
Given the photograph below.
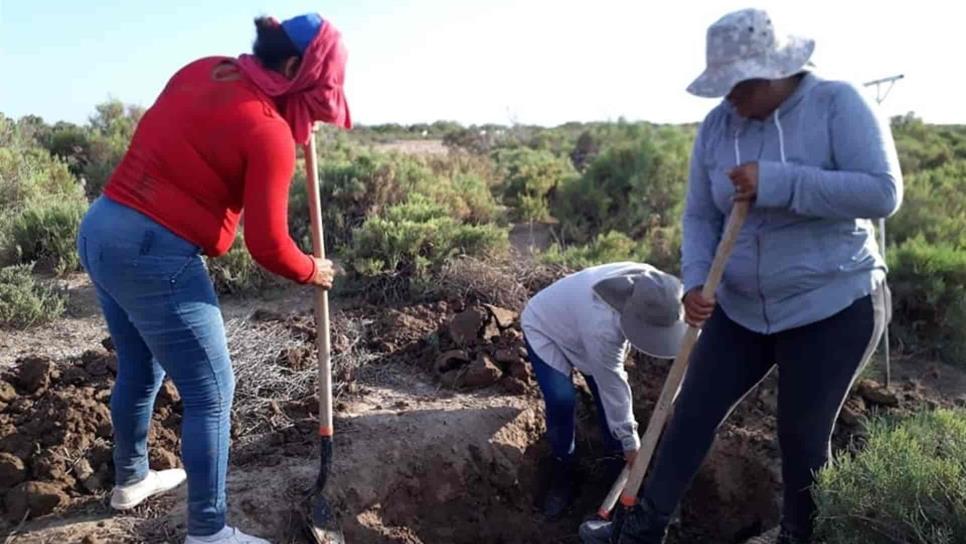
(609, 191)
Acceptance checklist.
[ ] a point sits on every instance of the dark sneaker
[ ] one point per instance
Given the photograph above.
(562, 489)
(642, 525)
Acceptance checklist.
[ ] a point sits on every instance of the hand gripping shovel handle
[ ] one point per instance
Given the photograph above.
(629, 481)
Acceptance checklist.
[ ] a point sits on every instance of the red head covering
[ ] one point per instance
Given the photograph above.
(315, 94)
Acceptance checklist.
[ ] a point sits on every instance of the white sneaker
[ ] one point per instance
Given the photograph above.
(228, 535)
(129, 496)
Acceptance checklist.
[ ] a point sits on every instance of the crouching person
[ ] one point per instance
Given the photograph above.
(587, 321)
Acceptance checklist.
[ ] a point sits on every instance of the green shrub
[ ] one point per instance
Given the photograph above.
(237, 273)
(24, 302)
(360, 184)
(929, 297)
(933, 206)
(607, 248)
(46, 233)
(529, 176)
(632, 186)
(907, 485)
(414, 239)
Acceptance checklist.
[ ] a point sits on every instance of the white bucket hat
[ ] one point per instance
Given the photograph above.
(649, 304)
(743, 45)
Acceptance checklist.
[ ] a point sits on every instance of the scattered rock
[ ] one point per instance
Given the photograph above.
(108, 344)
(853, 411)
(13, 471)
(168, 395)
(481, 373)
(33, 374)
(83, 470)
(95, 483)
(264, 314)
(506, 356)
(491, 333)
(95, 363)
(465, 326)
(504, 318)
(90, 539)
(519, 370)
(75, 375)
(875, 393)
(514, 386)
(162, 459)
(39, 498)
(451, 360)
(7, 392)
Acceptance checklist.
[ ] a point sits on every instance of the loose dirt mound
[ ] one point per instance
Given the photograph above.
(439, 435)
(55, 432)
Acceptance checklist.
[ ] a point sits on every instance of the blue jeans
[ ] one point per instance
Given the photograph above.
(163, 315)
(560, 399)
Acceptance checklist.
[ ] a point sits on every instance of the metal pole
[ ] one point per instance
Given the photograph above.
(879, 98)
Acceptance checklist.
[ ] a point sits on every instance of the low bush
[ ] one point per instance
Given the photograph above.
(237, 273)
(632, 186)
(528, 179)
(907, 485)
(360, 184)
(933, 206)
(611, 247)
(928, 283)
(25, 302)
(46, 233)
(415, 238)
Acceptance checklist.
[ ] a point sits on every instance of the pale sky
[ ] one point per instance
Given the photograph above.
(529, 61)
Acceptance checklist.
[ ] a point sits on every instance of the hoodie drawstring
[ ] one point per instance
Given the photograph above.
(781, 137)
(781, 141)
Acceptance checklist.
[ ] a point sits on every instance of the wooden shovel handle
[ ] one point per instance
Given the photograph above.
(665, 402)
(321, 295)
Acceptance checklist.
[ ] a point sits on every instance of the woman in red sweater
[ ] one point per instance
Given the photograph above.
(219, 140)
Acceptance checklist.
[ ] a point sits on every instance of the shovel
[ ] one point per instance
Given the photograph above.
(322, 524)
(630, 480)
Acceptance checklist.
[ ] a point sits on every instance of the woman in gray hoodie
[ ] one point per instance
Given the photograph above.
(804, 288)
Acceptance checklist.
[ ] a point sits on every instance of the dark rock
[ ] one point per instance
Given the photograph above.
(514, 386)
(34, 373)
(481, 373)
(451, 360)
(465, 326)
(168, 395)
(504, 318)
(162, 459)
(7, 392)
(875, 393)
(520, 370)
(507, 357)
(39, 498)
(108, 344)
(13, 471)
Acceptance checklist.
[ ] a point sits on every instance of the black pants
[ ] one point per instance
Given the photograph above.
(817, 365)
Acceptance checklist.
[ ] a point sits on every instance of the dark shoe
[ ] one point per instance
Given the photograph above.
(642, 525)
(596, 531)
(786, 537)
(562, 489)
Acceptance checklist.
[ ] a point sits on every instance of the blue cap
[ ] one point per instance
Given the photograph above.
(302, 29)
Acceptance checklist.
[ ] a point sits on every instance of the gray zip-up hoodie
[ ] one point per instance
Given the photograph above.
(827, 167)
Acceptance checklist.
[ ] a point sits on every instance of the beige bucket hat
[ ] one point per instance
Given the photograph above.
(649, 304)
(744, 45)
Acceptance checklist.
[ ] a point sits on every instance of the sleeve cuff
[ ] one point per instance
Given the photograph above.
(631, 442)
(306, 280)
(694, 278)
(774, 186)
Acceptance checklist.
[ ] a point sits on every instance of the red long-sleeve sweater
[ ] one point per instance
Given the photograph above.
(204, 152)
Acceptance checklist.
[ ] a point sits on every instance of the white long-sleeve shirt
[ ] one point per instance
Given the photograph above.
(570, 327)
